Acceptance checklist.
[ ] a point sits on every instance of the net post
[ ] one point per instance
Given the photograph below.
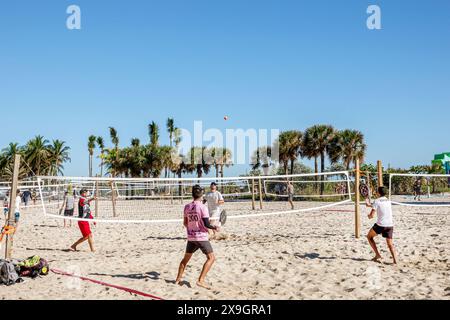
(357, 199)
(253, 195)
(260, 194)
(12, 206)
(113, 198)
(380, 173)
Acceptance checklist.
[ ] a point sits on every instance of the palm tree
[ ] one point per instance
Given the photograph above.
(289, 145)
(7, 156)
(153, 163)
(262, 158)
(167, 154)
(10, 151)
(282, 145)
(347, 145)
(58, 155)
(198, 156)
(115, 141)
(101, 145)
(153, 131)
(316, 142)
(226, 160)
(36, 154)
(309, 148)
(135, 158)
(91, 146)
(171, 130)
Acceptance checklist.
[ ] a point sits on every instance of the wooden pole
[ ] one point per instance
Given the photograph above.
(380, 173)
(113, 197)
(260, 194)
(12, 207)
(357, 199)
(253, 195)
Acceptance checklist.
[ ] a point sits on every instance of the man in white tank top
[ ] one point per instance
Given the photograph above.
(382, 208)
(214, 200)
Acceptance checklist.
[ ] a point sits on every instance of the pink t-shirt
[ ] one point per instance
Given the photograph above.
(195, 212)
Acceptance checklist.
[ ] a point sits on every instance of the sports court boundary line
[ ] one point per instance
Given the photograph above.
(132, 291)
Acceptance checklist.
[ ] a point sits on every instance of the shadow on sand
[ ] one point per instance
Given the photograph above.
(140, 276)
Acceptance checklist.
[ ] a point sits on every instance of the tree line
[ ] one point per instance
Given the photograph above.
(39, 156)
(151, 159)
(319, 142)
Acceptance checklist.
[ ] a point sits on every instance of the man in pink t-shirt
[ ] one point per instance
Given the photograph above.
(196, 222)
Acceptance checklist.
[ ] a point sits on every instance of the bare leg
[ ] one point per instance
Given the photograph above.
(292, 204)
(91, 243)
(208, 264)
(183, 265)
(76, 244)
(213, 233)
(391, 247)
(371, 236)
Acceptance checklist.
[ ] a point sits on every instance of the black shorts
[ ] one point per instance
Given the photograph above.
(193, 246)
(68, 213)
(387, 232)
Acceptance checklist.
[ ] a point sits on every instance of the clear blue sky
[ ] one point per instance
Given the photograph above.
(267, 64)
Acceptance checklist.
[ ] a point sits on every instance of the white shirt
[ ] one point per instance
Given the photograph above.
(18, 202)
(70, 202)
(291, 189)
(384, 212)
(212, 199)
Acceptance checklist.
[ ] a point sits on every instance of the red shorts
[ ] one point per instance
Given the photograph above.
(85, 228)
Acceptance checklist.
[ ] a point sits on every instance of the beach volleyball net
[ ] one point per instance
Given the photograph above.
(31, 197)
(420, 190)
(148, 200)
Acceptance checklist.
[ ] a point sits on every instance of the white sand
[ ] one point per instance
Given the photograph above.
(311, 255)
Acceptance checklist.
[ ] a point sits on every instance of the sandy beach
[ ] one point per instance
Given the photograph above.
(310, 255)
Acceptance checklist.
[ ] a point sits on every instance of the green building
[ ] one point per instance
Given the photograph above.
(443, 159)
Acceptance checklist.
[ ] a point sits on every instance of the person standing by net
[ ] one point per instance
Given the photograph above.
(214, 200)
(382, 208)
(290, 191)
(18, 203)
(26, 197)
(6, 206)
(197, 224)
(418, 189)
(33, 197)
(69, 206)
(84, 212)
